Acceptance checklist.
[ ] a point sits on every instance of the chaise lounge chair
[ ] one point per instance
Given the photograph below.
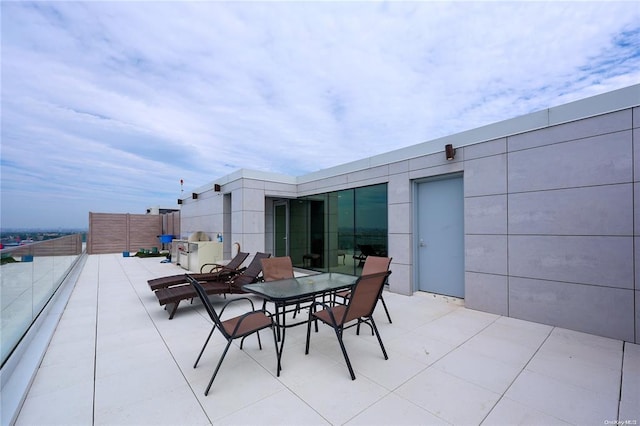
(171, 297)
(366, 250)
(218, 272)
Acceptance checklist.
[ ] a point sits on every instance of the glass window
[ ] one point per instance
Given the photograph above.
(370, 222)
(336, 231)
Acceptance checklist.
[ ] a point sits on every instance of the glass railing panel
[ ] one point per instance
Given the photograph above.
(16, 296)
(29, 276)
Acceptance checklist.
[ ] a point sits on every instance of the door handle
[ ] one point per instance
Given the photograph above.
(422, 244)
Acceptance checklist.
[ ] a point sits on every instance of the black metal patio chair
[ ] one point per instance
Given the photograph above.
(359, 308)
(238, 327)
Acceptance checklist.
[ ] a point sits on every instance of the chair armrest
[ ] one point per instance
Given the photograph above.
(215, 268)
(253, 308)
(324, 305)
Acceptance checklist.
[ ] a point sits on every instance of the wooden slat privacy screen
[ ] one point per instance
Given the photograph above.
(118, 232)
(68, 245)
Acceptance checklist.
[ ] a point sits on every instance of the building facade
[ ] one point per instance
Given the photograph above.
(534, 218)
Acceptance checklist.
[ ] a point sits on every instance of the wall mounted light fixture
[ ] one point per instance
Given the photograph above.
(216, 187)
(450, 152)
(194, 195)
(179, 201)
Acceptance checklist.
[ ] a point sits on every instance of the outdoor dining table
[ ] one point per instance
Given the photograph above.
(293, 291)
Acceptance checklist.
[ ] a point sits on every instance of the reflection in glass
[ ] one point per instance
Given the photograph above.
(335, 231)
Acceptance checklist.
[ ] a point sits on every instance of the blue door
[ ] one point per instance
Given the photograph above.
(440, 236)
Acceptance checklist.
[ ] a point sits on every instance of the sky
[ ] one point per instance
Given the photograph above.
(107, 105)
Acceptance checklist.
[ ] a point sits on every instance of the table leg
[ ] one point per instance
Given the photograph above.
(277, 321)
(282, 336)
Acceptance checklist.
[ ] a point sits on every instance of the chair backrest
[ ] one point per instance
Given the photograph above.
(250, 275)
(364, 296)
(277, 268)
(237, 261)
(202, 294)
(375, 264)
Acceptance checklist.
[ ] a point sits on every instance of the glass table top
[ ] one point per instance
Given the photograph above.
(300, 287)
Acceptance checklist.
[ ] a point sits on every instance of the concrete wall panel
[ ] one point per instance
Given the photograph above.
(399, 281)
(315, 186)
(252, 243)
(369, 174)
(485, 149)
(399, 167)
(400, 248)
(485, 215)
(399, 189)
(596, 210)
(598, 160)
(253, 200)
(486, 292)
(600, 125)
(603, 261)
(636, 252)
(253, 222)
(485, 176)
(636, 154)
(399, 218)
(486, 253)
(590, 309)
(440, 170)
(249, 183)
(637, 304)
(425, 161)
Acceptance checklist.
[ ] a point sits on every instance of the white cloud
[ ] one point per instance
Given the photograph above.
(107, 105)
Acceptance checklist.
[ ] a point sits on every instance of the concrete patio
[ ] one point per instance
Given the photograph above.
(116, 359)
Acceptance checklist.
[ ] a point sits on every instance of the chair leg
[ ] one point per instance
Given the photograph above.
(259, 342)
(358, 327)
(206, 392)
(205, 345)
(373, 325)
(173, 309)
(384, 305)
(344, 353)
